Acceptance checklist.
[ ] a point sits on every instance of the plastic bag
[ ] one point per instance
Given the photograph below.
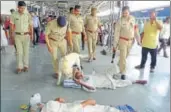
(35, 99)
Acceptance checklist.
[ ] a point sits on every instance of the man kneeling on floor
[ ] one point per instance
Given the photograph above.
(89, 105)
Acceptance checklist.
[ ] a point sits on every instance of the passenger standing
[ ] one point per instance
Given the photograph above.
(141, 26)
(123, 37)
(12, 11)
(4, 41)
(76, 25)
(36, 28)
(23, 32)
(7, 26)
(164, 37)
(150, 41)
(92, 23)
(55, 39)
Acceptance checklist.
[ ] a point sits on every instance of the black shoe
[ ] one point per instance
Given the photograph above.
(123, 77)
(19, 71)
(139, 67)
(151, 70)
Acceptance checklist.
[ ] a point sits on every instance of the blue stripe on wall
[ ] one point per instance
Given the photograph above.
(161, 13)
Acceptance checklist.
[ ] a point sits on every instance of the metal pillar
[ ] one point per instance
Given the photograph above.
(110, 27)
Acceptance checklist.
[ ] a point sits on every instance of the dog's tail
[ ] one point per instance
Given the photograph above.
(83, 56)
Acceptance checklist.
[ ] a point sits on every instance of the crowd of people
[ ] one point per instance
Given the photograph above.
(78, 30)
(67, 34)
(92, 30)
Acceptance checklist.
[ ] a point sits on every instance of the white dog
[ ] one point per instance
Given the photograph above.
(66, 65)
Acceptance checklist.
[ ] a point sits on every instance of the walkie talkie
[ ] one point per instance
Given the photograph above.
(113, 56)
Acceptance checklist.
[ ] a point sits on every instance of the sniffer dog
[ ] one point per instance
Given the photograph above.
(67, 63)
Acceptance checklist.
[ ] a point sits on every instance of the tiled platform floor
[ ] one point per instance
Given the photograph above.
(17, 89)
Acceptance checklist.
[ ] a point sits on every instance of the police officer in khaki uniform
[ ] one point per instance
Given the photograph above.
(55, 39)
(76, 25)
(69, 47)
(123, 37)
(21, 27)
(92, 23)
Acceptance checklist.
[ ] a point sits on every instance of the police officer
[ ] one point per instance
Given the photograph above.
(76, 25)
(92, 23)
(69, 33)
(123, 37)
(54, 36)
(23, 30)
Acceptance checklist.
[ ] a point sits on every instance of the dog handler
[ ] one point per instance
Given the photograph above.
(55, 39)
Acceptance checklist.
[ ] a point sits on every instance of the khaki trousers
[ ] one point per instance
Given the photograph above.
(91, 41)
(124, 47)
(22, 44)
(76, 40)
(69, 49)
(61, 45)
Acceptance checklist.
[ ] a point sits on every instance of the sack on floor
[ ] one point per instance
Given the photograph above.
(69, 83)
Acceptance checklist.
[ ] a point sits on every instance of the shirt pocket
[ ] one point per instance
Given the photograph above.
(124, 24)
(80, 21)
(17, 20)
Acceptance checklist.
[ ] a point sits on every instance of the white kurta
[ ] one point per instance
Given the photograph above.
(105, 80)
(54, 106)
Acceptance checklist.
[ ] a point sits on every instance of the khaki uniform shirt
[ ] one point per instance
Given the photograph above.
(21, 21)
(76, 23)
(92, 23)
(54, 31)
(124, 28)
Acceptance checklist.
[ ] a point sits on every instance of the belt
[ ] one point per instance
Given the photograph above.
(77, 33)
(127, 39)
(55, 39)
(24, 33)
(91, 31)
